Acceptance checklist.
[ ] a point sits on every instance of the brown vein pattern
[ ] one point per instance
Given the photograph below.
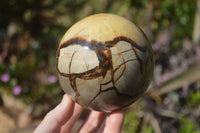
(104, 56)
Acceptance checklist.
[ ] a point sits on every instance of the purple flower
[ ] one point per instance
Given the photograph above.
(17, 90)
(5, 78)
(52, 79)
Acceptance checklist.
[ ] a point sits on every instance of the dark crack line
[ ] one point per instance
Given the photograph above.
(72, 80)
(124, 63)
(123, 38)
(111, 43)
(106, 82)
(123, 52)
(105, 62)
(111, 88)
(71, 62)
(87, 65)
(139, 60)
(93, 73)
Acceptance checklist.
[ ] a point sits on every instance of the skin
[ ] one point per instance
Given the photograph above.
(63, 117)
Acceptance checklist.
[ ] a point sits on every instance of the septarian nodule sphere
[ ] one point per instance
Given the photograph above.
(104, 62)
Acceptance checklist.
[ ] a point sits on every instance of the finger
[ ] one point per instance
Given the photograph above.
(101, 128)
(67, 127)
(57, 117)
(93, 122)
(114, 122)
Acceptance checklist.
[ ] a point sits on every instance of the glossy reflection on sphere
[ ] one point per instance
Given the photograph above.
(104, 62)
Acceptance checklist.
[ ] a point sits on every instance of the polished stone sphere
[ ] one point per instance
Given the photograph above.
(104, 62)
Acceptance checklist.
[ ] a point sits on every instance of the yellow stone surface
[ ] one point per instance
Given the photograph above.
(104, 27)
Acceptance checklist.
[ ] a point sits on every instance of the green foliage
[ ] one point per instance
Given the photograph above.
(148, 129)
(187, 126)
(194, 98)
(131, 122)
(178, 12)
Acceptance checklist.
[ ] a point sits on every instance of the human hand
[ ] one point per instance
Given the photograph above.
(63, 117)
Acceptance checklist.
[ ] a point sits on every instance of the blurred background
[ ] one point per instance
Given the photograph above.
(30, 31)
